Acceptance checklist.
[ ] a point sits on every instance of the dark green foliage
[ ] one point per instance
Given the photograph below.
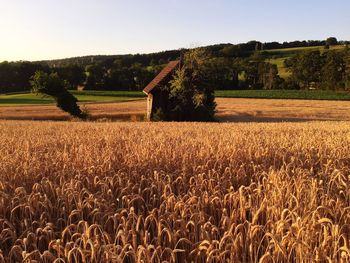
(15, 76)
(268, 76)
(289, 84)
(306, 68)
(218, 50)
(261, 75)
(347, 70)
(228, 66)
(333, 71)
(51, 85)
(224, 72)
(94, 77)
(331, 41)
(316, 70)
(286, 94)
(74, 75)
(191, 91)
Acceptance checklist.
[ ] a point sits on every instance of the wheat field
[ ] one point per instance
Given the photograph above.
(228, 110)
(174, 192)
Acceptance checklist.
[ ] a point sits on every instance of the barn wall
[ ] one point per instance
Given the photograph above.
(160, 101)
(149, 106)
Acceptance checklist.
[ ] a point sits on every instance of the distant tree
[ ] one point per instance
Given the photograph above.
(261, 75)
(306, 68)
(94, 77)
(152, 62)
(191, 91)
(333, 70)
(15, 76)
(257, 57)
(134, 77)
(162, 61)
(231, 51)
(51, 85)
(268, 76)
(73, 74)
(7, 77)
(258, 46)
(140, 76)
(251, 76)
(224, 72)
(133, 72)
(331, 41)
(347, 70)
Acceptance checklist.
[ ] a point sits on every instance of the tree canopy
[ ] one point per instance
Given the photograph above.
(191, 91)
(313, 69)
(52, 85)
(240, 66)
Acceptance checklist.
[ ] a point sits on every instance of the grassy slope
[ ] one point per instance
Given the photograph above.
(278, 56)
(85, 96)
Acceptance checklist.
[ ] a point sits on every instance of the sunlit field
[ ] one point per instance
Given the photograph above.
(93, 96)
(228, 109)
(23, 99)
(174, 192)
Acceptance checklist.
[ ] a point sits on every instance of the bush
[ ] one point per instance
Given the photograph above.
(51, 85)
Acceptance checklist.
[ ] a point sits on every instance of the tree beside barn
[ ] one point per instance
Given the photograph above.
(183, 90)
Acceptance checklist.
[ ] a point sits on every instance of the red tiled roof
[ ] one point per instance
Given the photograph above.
(161, 76)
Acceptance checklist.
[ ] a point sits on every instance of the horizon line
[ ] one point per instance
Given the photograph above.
(164, 50)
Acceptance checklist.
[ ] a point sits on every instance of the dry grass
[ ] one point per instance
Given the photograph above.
(229, 109)
(282, 110)
(118, 111)
(171, 192)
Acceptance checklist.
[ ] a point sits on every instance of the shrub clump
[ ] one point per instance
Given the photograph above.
(51, 85)
(191, 93)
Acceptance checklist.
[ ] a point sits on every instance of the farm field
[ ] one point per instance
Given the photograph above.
(174, 192)
(228, 109)
(85, 96)
(26, 99)
(285, 94)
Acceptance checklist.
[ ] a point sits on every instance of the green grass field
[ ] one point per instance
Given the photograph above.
(285, 94)
(128, 94)
(118, 96)
(82, 96)
(282, 70)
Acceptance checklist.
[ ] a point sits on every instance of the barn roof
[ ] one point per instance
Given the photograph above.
(161, 76)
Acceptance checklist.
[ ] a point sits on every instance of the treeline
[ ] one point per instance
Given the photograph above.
(225, 72)
(331, 41)
(320, 70)
(219, 50)
(15, 76)
(241, 66)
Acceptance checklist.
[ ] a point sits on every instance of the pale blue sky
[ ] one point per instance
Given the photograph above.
(47, 29)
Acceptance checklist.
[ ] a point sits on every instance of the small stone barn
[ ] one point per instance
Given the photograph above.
(156, 90)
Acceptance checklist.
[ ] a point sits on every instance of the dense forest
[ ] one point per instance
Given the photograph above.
(240, 66)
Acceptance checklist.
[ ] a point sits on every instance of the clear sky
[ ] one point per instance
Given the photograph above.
(47, 29)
